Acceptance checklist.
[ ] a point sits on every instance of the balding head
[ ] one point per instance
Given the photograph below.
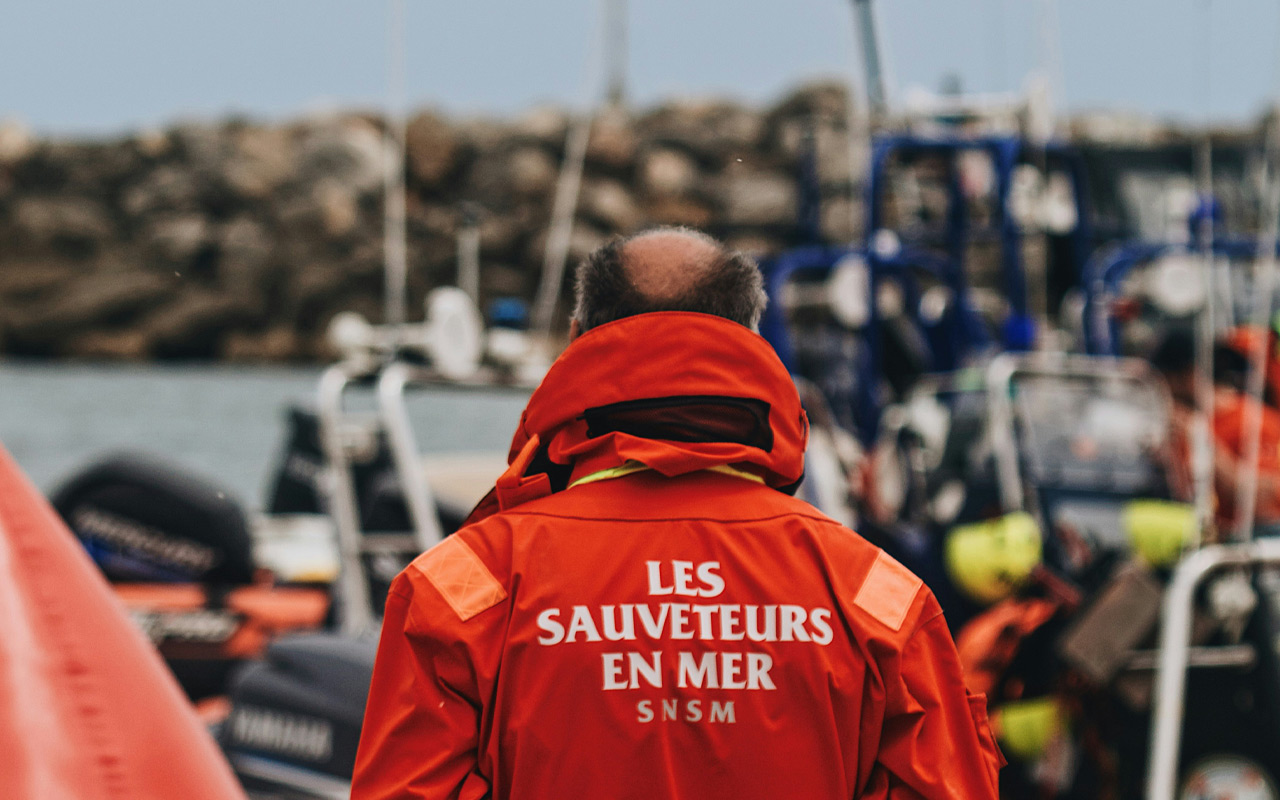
(668, 263)
(667, 269)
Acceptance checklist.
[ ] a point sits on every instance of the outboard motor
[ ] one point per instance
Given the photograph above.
(296, 715)
(296, 487)
(178, 552)
(143, 520)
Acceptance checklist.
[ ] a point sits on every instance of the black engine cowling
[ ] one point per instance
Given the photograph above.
(143, 519)
(297, 714)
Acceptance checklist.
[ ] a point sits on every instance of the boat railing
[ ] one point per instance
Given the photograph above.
(1174, 651)
(447, 350)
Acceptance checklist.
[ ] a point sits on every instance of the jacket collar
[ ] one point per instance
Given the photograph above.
(676, 391)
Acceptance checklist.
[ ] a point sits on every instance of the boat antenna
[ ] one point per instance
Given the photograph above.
(1051, 78)
(1264, 288)
(395, 247)
(565, 204)
(874, 74)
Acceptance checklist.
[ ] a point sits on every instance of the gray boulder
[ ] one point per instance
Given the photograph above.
(830, 142)
(95, 300)
(260, 160)
(349, 150)
(582, 241)
(714, 132)
(612, 144)
(842, 220)
(16, 141)
(195, 322)
(271, 346)
(542, 125)
(608, 204)
(827, 100)
(176, 241)
(667, 172)
(22, 281)
(108, 345)
(481, 135)
(325, 208)
(502, 234)
(680, 211)
(166, 189)
(532, 172)
(504, 280)
(245, 263)
(754, 244)
(432, 148)
(758, 198)
(75, 222)
(200, 146)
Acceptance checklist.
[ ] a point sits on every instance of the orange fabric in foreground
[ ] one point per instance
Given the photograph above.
(88, 710)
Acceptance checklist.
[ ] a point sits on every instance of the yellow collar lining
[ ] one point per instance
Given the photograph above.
(631, 467)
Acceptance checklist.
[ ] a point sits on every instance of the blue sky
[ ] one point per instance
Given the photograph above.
(91, 67)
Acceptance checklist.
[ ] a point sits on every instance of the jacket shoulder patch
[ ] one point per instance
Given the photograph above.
(460, 577)
(888, 591)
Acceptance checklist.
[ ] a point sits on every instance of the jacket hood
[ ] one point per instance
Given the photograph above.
(676, 391)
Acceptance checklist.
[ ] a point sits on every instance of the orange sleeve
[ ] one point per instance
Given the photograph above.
(422, 721)
(936, 743)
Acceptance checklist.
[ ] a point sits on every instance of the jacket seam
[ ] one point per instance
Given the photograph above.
(922, 623)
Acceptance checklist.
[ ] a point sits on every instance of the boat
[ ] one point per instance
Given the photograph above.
(87, 709)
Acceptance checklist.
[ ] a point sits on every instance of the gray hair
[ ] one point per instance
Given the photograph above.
(730, 286)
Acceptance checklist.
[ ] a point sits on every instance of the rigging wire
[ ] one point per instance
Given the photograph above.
(1202, 440)
(565, 203)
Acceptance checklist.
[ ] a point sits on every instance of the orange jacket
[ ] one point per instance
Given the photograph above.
(88, 711)
(1244, 339)
(1233, 413)
(684, 630)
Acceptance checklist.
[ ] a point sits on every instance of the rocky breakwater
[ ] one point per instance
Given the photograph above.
(240, 241)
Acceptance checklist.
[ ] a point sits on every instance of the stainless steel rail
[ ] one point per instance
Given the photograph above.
(1174, 649)
(418, 496)
(355, 612)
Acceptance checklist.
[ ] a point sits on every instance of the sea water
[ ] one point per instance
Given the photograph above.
(225, 423)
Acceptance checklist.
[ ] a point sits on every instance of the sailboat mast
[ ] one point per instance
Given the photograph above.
(616, 51)
(395, 247)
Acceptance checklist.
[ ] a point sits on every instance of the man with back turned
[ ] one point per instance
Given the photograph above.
(640, 608)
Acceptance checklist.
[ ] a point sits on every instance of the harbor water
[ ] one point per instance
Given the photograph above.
(224, 423)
